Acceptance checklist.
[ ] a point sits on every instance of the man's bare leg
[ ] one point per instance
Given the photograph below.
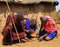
(41, 38)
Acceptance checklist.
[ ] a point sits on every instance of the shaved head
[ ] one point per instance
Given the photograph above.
(43, 19)
(20, 17)
(33, 21)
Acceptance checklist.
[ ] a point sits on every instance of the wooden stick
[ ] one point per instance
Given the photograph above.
(13, 21)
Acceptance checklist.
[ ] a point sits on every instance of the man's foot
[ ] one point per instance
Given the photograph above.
(24, 40)
(27, 40)
(47, 38)
(7, 43)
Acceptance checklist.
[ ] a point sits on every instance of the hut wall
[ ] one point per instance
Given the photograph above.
(30, 11)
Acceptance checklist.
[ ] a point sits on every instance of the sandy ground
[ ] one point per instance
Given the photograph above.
(34, 43)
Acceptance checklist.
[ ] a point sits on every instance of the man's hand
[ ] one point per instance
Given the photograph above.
(27, 31)
(40, 39)
(10, 24)
(32, 31)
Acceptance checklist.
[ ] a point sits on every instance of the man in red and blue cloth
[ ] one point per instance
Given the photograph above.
(48, 28)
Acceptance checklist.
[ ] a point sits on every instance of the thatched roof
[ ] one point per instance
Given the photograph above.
(30, 1)
(35, 1)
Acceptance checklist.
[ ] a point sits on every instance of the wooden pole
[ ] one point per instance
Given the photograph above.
(12, 20)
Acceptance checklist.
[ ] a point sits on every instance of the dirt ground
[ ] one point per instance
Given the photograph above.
(34, 43)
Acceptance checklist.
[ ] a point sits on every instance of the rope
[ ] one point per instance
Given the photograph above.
(13, 20)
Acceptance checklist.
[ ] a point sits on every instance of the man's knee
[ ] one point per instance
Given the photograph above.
(5, 32)
(47, 38)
